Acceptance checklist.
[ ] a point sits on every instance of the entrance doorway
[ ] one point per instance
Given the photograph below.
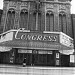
(37, 58)
(20, 57)
(43, 60)
(65, 60)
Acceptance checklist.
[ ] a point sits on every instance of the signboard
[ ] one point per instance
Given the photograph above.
(57, 62)
(66, 40)
(45, 52)
(4, 49)
(57, 55)
(36, 40)
(24, 51)
(35, 36)
(72, 58)
(6, 37)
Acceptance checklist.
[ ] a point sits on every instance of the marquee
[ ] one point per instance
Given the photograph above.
(36, 40)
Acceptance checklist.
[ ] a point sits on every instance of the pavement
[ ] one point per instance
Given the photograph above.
(6, 69)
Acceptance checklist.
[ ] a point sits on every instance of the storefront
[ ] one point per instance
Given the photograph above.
(43, 49)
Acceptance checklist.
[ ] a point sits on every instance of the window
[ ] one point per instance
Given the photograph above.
(24, 19)
(62, 22)
(32, 21)
(49, 21)
(10, 20)
(39, 22)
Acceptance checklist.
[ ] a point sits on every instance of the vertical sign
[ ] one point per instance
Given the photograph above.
(57, 55)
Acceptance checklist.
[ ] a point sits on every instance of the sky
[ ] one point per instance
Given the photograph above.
(72, 6)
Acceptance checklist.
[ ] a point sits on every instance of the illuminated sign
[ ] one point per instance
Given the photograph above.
(72, 58)
(36, 40)
(36, 37)
(7, 37)
(44, 52)
(29, 36)
(24, 51)
(66, 40)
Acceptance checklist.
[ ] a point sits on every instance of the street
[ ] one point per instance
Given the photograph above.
(19, 70)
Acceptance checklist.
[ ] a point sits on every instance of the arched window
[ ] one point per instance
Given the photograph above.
(32, 21)
(10, 19)
(39, 22)
(49, 21)
(23, 19)
(62, 22)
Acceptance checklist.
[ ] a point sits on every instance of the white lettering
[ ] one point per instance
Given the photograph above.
(23, 37)
(17, 34)
(35, 37)
(39, 37)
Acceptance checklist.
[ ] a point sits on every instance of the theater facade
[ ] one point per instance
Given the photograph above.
(38, 30)
(43, 49)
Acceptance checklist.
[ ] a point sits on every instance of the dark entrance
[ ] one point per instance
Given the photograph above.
(37, 58)
(65, 60)
(43, 59)
(4, 57)
(20, 57)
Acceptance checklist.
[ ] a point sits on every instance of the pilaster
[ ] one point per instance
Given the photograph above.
(4, 15)
(17, 16)
(56, 18)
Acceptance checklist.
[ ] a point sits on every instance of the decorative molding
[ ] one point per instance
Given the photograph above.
(49, 12)
(62, 7)
(49, 6)
(12, 4)
(24, 4)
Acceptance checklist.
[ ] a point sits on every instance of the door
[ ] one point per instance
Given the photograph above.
(65, 60)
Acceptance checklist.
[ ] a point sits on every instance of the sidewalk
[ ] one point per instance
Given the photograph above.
(9, 69)
(9, 66)
(36, 67)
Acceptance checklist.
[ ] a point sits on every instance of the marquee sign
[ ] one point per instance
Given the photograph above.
(36, 40)
(36, 37)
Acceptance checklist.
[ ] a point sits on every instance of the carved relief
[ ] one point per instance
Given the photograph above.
(68, 7)
(5, 6)
(49, 12)
(49, 6)
(62, 7)
(24, 4)
(12, 4)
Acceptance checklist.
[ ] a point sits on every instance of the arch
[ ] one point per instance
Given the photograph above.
(23, 22)
(24, 10)
(62, 13)
(39, 22)
(10, 19)
(49, 21)
(50, 12)
(11, 10)
(62, 22)
(32, 21)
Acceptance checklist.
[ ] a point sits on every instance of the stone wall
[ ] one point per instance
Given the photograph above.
(46, 15)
